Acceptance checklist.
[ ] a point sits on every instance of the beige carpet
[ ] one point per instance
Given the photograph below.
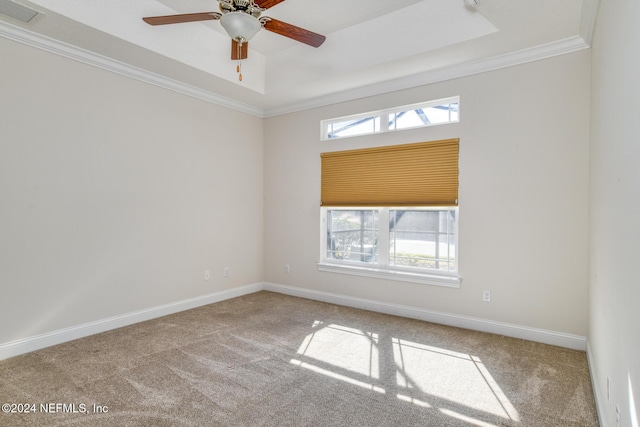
(272, 360)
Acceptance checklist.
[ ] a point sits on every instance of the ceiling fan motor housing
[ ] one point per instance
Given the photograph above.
(246, 6)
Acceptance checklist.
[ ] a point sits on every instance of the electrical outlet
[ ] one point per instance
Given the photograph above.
(207, 275)
(287, 270)
(226, 272)
(486, 296)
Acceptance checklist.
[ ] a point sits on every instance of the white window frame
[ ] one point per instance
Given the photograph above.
(382, 269)
(383, 117)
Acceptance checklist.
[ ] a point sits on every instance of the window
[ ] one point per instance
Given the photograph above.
(416, 244)
(392, 212)
(431, 113)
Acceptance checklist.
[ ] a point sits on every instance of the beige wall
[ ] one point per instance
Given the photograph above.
(614, 337)
(116, 195)
(523, 195)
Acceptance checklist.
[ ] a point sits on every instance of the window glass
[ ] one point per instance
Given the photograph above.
(423, 239)
(398, 118)
(412, 239)
(427, 116)
(360, 126)
(352, 235)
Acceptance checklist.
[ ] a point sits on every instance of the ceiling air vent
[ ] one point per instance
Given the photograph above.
(17, 11)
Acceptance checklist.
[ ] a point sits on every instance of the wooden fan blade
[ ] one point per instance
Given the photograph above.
(244, 50)
(295, 33)
(266, 4)
(178, 19)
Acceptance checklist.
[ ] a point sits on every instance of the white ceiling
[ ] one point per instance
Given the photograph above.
(372, 46)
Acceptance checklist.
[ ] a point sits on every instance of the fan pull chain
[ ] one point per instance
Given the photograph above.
(239, 66)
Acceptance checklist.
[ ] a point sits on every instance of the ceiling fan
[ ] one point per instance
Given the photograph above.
(241, 20)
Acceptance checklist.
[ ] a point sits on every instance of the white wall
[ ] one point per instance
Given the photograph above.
(614, 336)
(523, 195)
(116, 195)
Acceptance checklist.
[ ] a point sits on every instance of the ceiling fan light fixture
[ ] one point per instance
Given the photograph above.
(240, 25)
(241, 20)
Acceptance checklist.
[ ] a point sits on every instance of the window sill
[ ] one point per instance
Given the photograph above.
(403, 276)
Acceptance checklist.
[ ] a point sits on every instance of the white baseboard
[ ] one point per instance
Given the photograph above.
(25, 345)
(598, 394)
(561, 339)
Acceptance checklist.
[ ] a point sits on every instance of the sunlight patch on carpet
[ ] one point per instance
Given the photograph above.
(425, 376)
(343, 347)
(456, 377)
(413, 400)
(337, 376)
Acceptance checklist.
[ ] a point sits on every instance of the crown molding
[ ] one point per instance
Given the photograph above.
(30, 38)
(560, 47)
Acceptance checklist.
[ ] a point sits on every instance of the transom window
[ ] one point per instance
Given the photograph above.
(430, 113)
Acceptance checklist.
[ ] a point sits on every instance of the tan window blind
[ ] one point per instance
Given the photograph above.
(421, 174)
